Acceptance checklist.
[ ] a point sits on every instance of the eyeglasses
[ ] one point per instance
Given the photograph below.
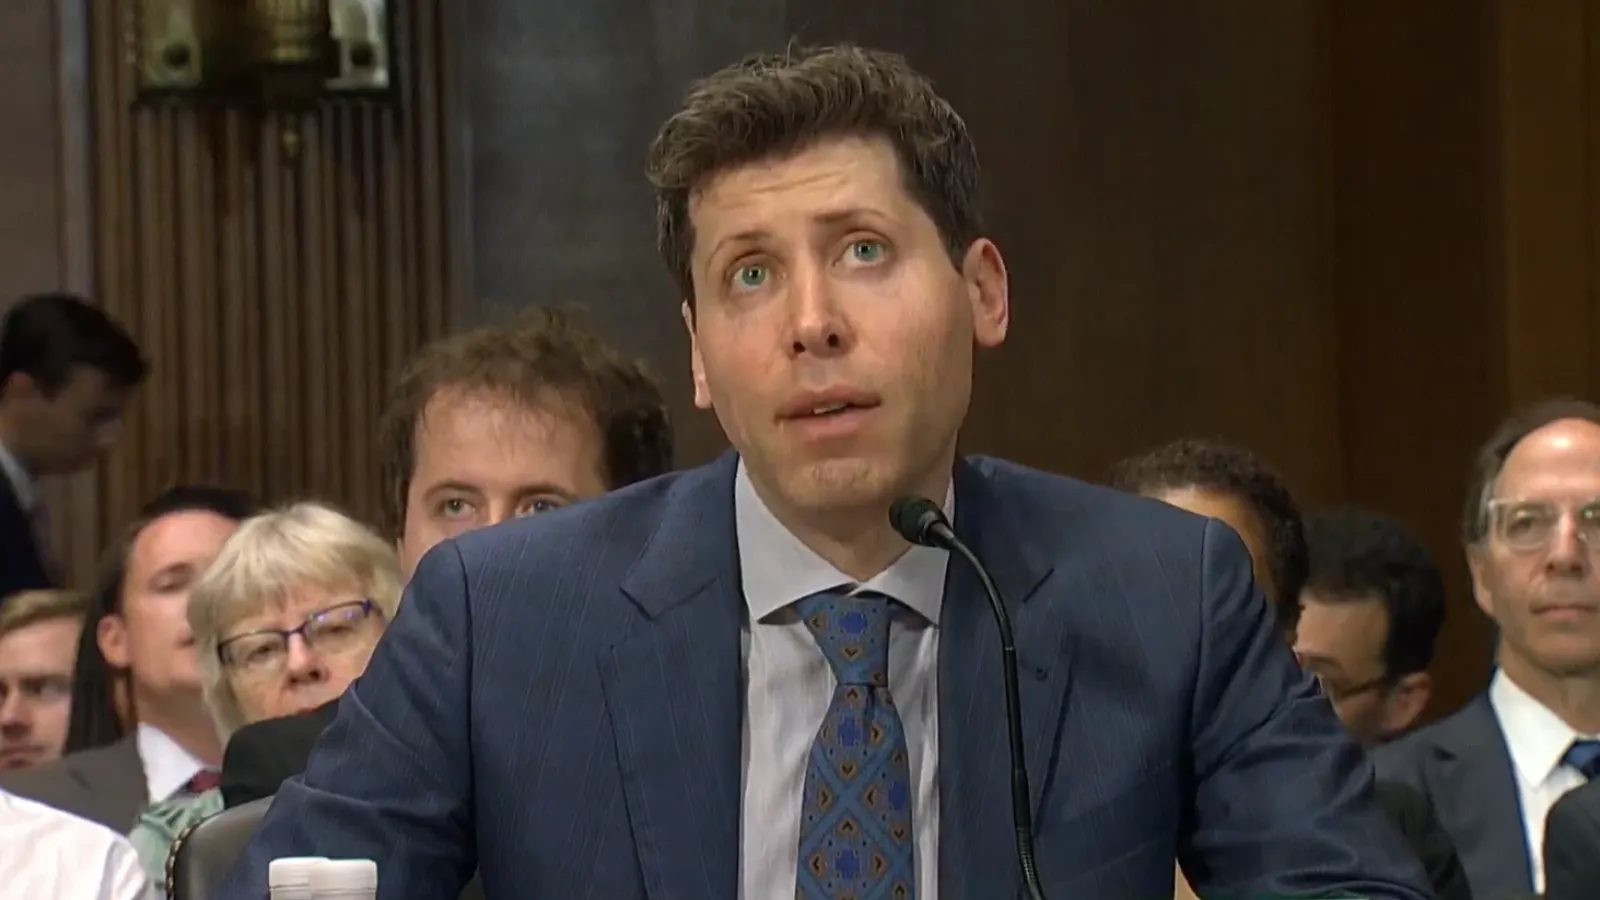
(333, 630)
(1525, 525)
(1338, 693)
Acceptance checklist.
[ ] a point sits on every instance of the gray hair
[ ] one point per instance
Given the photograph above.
(263, 563)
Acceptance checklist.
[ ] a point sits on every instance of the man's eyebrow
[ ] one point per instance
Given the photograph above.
(535, 487)
(453, 485)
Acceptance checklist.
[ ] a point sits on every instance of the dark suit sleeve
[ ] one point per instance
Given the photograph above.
(391, 779)
(1283, 802)
(1412, 814)
(260, 757)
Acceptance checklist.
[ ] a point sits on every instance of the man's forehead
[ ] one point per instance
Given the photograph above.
(857, 175)
(35, 635)
(477, 434)
(454, 403)
(1567, 446)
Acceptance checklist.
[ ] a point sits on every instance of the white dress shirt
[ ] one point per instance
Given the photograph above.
(167, 766)
(1537, 739)
(22, 485)
(788, 686)
(47, 853)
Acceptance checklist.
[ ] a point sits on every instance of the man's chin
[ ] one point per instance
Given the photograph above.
(14, 760)
(838, 484)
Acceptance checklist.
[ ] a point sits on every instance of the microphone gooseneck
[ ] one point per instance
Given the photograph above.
(921, 521)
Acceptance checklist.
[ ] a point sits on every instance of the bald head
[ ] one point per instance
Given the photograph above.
(1559, 459)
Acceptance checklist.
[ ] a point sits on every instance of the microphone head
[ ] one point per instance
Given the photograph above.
(915, 518)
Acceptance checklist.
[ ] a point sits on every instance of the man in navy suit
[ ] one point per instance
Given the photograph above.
(739, 682)
(67, 372)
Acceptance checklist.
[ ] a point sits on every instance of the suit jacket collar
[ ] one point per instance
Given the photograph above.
(674, 687)
(1486, 821)
(674, 693)
(17, 480)
(977, 848)
(112, 779)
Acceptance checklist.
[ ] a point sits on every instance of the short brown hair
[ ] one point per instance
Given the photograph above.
(1491, 457)
(32, 607)
(543, 352)
(779, 103)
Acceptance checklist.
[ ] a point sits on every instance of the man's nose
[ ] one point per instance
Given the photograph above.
(819, 326)
(1568, 551)
(14, 714)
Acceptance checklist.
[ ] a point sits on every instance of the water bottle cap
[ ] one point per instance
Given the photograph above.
(360, 874)
(292, 871)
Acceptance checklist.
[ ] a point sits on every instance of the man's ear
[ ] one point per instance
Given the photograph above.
(697, 365)
(112, 636)
(1406, 701)
(988, 292)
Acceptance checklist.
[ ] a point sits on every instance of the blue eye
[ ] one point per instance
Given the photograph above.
(866, 251)
(751, 276)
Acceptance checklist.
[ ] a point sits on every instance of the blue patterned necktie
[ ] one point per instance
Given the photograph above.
(855, 825)
(1585, 757)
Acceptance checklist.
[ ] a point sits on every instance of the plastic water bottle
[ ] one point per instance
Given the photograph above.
(345, 879)
(289, 878)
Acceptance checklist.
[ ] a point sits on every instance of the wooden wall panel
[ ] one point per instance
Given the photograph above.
(29, 163)
(1544, 181)
(275, 296)
(1413, 127)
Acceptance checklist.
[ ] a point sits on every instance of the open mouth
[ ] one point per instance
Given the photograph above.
(828, 404)
(825, 410)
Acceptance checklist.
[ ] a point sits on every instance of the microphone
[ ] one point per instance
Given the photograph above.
(921, 521)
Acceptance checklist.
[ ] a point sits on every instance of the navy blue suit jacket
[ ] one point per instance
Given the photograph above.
(559, 704)
(22, 565)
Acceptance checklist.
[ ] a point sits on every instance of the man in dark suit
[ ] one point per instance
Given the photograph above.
(1495, 768)
(1237, 488)
(1572, 846)
(174, 746)
(481, 428)
(66, 373)
(604, 702)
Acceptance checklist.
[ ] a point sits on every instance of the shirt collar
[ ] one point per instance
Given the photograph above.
(167, 766)
(776, 569)
(1535, 736)
(21, 482)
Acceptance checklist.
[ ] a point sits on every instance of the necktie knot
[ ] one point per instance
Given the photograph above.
(1584, 755)
(203, 781)
(853, 632)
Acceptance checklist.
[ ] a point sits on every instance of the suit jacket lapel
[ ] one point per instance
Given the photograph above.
(673, 692)
(977, 857)
(113, 783)
(1486, 821)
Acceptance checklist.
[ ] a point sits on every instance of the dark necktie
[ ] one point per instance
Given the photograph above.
(1584, 755)
(202, 781)
(855, 824)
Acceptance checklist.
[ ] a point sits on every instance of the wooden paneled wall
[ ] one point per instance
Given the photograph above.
(275, 296)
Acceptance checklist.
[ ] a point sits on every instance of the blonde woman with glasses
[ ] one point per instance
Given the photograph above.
(284, 620)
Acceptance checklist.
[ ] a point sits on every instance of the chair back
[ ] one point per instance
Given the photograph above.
(204, 852)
